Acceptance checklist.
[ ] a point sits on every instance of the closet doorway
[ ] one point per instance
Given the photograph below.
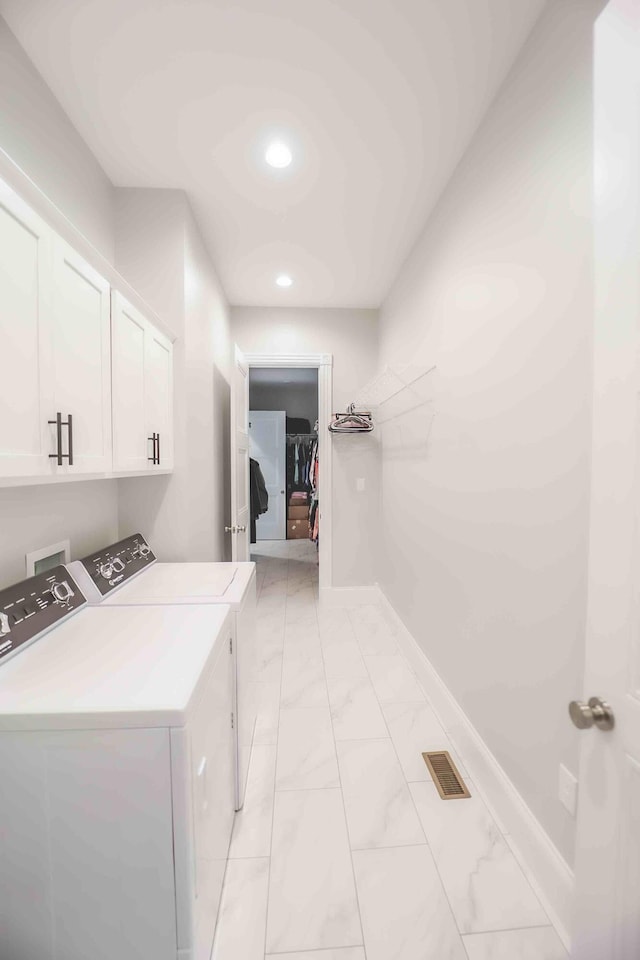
(289, 402)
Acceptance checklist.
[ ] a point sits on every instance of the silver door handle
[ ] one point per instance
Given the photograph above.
(596, 711)
(241, 529)
(230, 529)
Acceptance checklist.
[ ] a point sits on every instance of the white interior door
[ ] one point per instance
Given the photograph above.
(25, 334)
(267, 443)
(607, 919)
(240, 519)
(81, 362)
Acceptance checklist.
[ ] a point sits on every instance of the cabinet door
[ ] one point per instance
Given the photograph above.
(81, 363)
(128, 344)
(159, 396)
(142, 388)
(25, 338)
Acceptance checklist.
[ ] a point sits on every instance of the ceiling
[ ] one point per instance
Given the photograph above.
(376, 98)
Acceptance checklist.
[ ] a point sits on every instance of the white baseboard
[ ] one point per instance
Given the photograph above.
(547, 870)
(349, 596)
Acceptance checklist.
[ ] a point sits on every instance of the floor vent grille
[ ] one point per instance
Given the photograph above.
(445, 775)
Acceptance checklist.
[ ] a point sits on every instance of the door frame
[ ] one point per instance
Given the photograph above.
(323, 362)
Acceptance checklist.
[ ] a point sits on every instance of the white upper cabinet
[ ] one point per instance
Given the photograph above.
(142, 385)
(86, 381)
(26, 387)
(81, 365)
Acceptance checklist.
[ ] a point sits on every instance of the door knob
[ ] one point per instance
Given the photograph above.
(596, 711)
(241, 529)
(230, 529)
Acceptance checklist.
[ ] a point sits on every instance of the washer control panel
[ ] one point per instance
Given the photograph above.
(33, 606)
(112, 566)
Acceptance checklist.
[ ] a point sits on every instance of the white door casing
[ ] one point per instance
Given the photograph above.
(267, 445)
(607, 901)
(324, 364)
(240, 519)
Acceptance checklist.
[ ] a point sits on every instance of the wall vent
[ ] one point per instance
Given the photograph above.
(445, 775)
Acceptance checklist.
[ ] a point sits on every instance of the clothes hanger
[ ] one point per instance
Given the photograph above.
(353, 421)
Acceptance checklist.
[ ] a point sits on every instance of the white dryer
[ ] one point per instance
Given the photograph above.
(117, 758)
(127, 573)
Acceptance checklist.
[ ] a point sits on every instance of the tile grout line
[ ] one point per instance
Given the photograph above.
(275, 789)
(344, 810)
(275, 775)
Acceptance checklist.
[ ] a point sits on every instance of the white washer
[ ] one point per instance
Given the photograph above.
(127, 573)
(117, 758)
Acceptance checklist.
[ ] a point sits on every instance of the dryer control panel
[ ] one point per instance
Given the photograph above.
(34, 606)
(102, 572)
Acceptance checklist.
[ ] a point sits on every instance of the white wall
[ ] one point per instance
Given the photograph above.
(208, 359)
(160, 252)
(37, 134)
(485, 524)
(351, 336)
(86, 513)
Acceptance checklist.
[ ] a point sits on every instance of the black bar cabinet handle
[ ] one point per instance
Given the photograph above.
(70, 435)
(158, 449)
(153, 440)
(58, 454)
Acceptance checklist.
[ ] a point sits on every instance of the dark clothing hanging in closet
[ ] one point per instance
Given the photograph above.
(259, 495)
(298, 454)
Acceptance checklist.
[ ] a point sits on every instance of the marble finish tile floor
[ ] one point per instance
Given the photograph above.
(344, 850)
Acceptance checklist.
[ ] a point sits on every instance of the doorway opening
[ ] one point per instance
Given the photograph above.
(290, 462)
(283, 446)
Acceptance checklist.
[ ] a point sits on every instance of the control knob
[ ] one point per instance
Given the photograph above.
(61, 592)
(106, 570)
(144, 550)
(118, 565)
(5, 627)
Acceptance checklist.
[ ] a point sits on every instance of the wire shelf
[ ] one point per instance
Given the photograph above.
(391, 382)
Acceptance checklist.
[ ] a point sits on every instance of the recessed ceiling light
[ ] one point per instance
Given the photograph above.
(284, 280)
(278, 155)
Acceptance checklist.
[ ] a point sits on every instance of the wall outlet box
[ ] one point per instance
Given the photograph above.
(47, 557)
(568, 790)
(360, 484)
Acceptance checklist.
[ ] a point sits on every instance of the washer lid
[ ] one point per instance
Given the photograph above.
(186, 583)
(115, 667)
